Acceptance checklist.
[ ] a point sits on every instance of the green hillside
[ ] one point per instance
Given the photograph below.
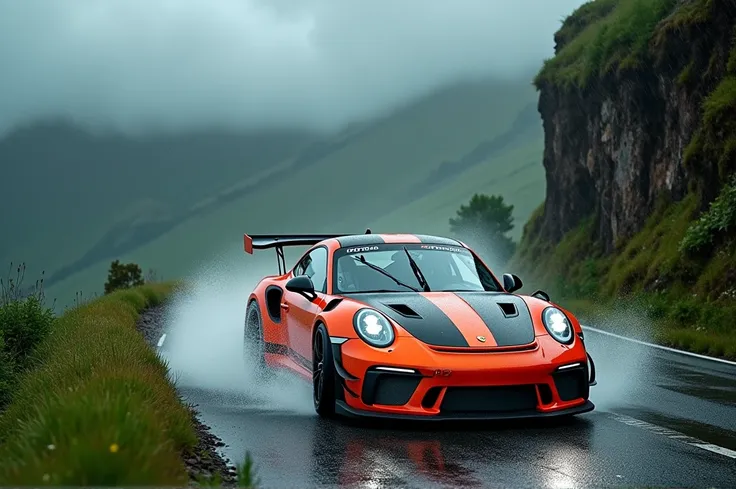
(481, 136)
(78, 197)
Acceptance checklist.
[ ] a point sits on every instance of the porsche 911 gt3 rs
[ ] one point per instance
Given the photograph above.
(414, 326)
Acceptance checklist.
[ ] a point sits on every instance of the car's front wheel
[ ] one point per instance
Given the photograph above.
(323, 373)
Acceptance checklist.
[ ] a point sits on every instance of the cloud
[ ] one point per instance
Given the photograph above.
(180, 64)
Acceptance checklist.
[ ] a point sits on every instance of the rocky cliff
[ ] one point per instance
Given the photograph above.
(621, 103)
(639, 115)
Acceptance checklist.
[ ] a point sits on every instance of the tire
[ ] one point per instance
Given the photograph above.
(253, 342)
(323, 373)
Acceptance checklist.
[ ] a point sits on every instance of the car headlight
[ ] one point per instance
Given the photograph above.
(373, 328)
(557, 325)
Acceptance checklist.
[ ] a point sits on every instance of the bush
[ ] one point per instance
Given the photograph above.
(717, 221)
(24, 322)
(98, 407)
(123, 276)
(485, 222)
(7, 374)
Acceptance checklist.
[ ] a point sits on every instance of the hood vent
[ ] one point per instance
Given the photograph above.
(509, 309)
(404, 310)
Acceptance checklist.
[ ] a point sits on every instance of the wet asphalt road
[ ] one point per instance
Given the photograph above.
(662, 419)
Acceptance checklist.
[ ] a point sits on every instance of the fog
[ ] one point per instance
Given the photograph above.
(140, 65)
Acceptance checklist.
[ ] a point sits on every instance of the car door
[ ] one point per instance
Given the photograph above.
(301, 311)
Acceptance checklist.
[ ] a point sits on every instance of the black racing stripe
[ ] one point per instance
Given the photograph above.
(360, 240)
(437, 240)
(507, 331)
(433, 327)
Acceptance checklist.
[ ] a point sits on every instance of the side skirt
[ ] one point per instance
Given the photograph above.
(304, 365)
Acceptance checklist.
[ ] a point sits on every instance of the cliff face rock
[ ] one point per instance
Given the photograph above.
(615, 144)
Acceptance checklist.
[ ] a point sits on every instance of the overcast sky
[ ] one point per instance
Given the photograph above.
(180, 64)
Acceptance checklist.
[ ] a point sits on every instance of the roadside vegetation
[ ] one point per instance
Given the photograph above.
(679, 270)
(84, 400)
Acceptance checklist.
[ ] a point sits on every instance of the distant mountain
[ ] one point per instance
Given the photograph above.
(172, 202)
(65, 188)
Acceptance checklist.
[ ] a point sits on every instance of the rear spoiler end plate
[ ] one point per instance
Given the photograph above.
(252, 242)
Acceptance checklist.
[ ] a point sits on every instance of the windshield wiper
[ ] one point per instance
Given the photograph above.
(415, 268)
(381, 270)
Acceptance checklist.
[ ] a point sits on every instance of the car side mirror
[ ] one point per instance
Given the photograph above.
(302, 285)
(511, 282)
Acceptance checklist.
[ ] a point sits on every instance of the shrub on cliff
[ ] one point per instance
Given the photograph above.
(123, 276)
(713, 224)
(485, 223)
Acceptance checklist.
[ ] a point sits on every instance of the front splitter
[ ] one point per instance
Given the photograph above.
(342, 409)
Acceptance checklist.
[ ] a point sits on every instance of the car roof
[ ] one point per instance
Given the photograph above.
(377, 239)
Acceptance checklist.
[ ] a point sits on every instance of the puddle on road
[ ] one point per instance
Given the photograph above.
(721, 395)
(699, 377)
(707, 433)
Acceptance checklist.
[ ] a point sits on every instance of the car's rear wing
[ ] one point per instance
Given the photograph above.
(253, 242)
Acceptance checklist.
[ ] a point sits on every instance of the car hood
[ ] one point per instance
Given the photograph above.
(457, 319)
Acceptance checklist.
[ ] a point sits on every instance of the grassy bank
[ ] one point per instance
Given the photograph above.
(96, 406)
(665, 292)
(661, 322)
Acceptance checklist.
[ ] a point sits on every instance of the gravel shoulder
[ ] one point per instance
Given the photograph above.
(204, 463)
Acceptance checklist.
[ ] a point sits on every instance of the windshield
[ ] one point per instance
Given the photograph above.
(445, 268)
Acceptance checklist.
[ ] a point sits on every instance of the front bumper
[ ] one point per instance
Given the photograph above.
(411, 380)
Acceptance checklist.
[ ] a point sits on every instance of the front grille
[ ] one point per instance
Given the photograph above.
(572, 384)
(489, 399)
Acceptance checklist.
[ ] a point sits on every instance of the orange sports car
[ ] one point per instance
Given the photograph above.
(414, 326)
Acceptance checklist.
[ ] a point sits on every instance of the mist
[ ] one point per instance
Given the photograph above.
(204, 346)
(173, 65)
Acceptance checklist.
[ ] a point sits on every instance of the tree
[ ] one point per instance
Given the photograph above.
(123, 276)
(484, 223)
